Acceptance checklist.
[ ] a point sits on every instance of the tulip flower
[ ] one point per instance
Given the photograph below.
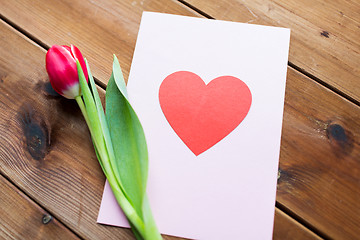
(118, 137)
(62, 70)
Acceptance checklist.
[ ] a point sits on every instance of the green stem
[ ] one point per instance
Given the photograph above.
(81, 104)
(151, 231)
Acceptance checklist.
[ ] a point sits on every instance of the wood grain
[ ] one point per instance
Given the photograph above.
(21, 218)
(325, 38)
(98, 28)
(319, 159)
(45, 147)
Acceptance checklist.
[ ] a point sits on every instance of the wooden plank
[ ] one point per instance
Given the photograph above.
(21, 218)
(324, 34)
(287, 228)
(45, 147)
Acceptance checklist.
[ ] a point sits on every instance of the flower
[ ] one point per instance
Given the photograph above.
(62, 70)
(119, 129)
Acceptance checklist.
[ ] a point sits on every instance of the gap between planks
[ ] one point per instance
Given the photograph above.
(282, 208)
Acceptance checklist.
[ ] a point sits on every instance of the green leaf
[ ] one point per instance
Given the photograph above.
(102, 119)
(128, 139)
(91, 114)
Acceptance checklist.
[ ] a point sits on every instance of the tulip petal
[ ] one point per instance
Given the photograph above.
(71, 92)
(62, 71)
(78, 56)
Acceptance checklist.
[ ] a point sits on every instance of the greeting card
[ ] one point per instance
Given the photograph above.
(210, 97)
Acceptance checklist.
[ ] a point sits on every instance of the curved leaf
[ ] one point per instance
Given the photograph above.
(128, 139)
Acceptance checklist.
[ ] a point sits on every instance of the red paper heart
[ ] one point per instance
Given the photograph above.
(200, 114)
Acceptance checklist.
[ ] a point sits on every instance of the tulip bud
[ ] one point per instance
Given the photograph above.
(62, 70)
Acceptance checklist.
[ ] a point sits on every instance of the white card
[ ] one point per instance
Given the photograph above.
(210, 97)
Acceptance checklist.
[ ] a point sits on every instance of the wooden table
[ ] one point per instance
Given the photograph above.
(51, 182)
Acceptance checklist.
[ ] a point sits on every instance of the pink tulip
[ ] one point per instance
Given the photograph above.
(62, 70)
